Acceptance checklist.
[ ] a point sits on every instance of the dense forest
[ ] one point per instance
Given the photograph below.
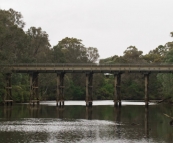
(32, 46)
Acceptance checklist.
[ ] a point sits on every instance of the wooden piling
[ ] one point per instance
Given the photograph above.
(60, 89)
(117, 89)
(89, 89)
(34, 95)
(8, 90)
(146, 78)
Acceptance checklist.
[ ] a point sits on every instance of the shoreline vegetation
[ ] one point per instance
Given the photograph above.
(32, 46)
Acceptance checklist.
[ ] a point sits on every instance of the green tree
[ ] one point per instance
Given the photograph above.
(12, 37)
(157, 55)
(166, 79)
(133, 55)
(38, 46)
(106, 90)
(92, 54)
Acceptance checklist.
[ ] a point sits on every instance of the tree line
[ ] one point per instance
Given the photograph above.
(32, 46)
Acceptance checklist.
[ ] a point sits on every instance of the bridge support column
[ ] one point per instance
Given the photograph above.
(60, 89)
(146, 76)
(8, 90)
(117, 89)
(89, 88)
(34, 96)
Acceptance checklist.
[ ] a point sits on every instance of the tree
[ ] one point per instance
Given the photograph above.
(38, 46)
(166, 78)
(73, 50)
(92, 54)
(16, 18)
(157, 55)
(12, 37)
(57, 55)
(133, 55)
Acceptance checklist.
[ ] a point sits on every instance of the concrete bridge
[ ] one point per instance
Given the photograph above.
(89, 69)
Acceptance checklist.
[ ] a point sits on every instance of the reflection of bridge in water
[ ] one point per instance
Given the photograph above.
(117, 115)
(89, 69)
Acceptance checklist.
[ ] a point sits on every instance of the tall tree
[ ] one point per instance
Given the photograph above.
(167, 78)
(38, 47)
(73, 50)
(12, 37)
(92, 54)
(157, 55)
(133, 55)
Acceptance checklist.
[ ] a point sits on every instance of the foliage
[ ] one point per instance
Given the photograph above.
(157, 55)
(106, 90)
(76, 92)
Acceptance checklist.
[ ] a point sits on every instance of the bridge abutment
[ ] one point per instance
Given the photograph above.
(89, 88)
(34, 95)
(8, 90)
(60, 89)
(117, 89)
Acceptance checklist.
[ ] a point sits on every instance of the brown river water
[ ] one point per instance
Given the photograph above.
(46, 123)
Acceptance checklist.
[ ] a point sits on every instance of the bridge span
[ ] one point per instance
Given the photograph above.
(89, 69)
(82, 68)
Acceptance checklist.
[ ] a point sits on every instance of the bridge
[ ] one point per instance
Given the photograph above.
(89, 69)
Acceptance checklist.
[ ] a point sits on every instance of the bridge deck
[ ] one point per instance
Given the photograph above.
(81, 68)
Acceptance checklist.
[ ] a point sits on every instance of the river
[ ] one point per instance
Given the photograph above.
(46, 123)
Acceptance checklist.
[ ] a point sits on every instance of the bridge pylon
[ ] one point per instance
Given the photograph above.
(117, 89)
(89, 88)
(60, 89)
(34, 95)
(8, 90)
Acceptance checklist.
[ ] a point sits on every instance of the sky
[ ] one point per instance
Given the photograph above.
(108, 25)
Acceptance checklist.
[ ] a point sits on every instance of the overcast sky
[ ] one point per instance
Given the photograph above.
(109, 25)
